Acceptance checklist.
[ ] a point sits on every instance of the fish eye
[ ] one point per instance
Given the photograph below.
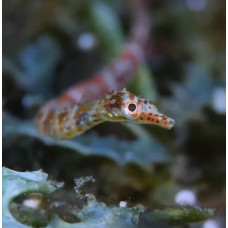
(132, 107)
(131, 110)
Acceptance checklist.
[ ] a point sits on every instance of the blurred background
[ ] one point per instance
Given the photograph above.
(51, 45)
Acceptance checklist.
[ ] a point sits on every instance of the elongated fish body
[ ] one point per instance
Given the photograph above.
(118, 106)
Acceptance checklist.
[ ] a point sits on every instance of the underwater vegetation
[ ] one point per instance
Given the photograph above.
(115, 174)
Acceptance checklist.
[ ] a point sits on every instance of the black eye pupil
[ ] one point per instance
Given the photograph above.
(132, 107)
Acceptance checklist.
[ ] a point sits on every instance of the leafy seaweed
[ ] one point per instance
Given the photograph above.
(18, 183)
(107, 27)
(189, 97)
(43, 52)
(182, 215)
(143, 151)
(92, 214)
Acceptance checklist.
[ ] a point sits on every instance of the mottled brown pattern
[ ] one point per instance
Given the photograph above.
(46, 125)
(109, 104)
(62, 116)
(50, 115)
(132, 96)
(69, 122)
(139, 102)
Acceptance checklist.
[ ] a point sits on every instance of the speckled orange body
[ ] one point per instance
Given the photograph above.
(68, 122)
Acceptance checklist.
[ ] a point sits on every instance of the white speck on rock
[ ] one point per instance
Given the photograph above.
(123, 204)
(32, 203)
(184, 197)
(86, 41)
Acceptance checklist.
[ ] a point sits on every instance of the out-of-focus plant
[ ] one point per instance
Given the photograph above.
(92, 214)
